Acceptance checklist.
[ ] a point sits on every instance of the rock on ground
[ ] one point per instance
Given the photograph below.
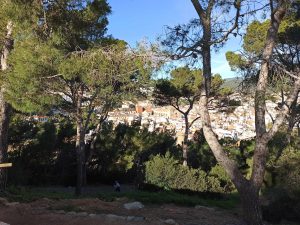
(205, 208)
(12, 203)
(133, 205)
(115, 217)
(3, 201)
(170, 221)
(2, 223)
(135, 218)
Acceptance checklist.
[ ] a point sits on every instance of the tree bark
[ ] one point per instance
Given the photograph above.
(291, 124)
(4, 106)
(4, 124)
(261, 149)
(248, 189)
(80, 144)
(229, 165)
(84, 174)
(185, 141)
(250, 204)
(89, 152)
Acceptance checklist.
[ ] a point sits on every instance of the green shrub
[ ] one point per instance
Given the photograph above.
(281, 206)
(288, 172)
(220, 174)
(283, 192)
(233, 102)
(200, 154)
(167, 173)
(161, 171)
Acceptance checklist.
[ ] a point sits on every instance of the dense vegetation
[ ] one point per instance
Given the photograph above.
(43, 154)
(58, 60)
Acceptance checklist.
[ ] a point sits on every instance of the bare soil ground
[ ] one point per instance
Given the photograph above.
(95, 211)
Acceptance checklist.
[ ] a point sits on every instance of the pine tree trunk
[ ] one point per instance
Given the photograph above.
(4, 124)
(185, 153)
(4, 107)
(80, 155)
(185, 140)
(249, 195)
(80, 144)
(84, 174)
(89, 152)
(262, 136)
(252, 214)
(249, 190)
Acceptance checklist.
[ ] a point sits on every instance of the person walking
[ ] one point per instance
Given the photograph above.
(117, 186)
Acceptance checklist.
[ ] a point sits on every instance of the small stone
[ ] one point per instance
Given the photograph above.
(170, 221)
(133, 205)
(3, 201)
(46, 199)
(92, 215)
(2, 223)
(196, 224)
(135, 218)
(82, 214)
(12, 203)
(60, 212)
(115, 217)
(234, 224)
(71, 213)
(101, 215)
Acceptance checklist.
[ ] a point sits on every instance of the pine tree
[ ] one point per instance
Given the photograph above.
(66, 62)
(6, 45)
(45, 30)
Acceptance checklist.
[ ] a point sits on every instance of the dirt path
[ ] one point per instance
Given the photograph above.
(97, 212)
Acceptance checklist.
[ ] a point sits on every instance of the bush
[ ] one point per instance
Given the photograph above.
(166, 172)
(284, 195)
(120, 153)
(288, 172)
(281, 206)
(233, 102)
(220, 174)
(200, 154)
(41, 153)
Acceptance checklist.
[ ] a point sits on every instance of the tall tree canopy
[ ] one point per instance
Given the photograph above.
(181, 90)
(178, 91)
(63, 60)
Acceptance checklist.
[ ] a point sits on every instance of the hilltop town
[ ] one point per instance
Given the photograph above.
(232, 117)
(233, 121)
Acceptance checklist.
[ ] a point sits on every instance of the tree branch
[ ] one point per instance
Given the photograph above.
(284, 112)
(194, 120)
(199, 8)
(237, 6)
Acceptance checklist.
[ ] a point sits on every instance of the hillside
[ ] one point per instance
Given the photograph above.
(232, 82)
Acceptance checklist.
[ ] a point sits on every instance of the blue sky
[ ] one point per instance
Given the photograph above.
(134, 20)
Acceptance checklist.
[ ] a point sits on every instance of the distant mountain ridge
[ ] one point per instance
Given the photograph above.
(232, 83)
